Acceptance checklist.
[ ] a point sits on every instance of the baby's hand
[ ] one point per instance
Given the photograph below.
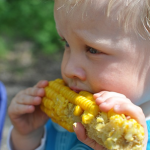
(24, 110)
(121, 105)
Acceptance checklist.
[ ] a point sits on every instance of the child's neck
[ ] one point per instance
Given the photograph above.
(146, 109)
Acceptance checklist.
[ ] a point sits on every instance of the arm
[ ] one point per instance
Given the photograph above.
(27, 118)
(29, 141)
(120, 104)
(42, 143)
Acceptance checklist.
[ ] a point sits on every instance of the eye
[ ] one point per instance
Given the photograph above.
(66, 44)
(92, 50)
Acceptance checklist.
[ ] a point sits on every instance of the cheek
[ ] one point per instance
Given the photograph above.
(63, 69)
(63, 64)
(115, 82)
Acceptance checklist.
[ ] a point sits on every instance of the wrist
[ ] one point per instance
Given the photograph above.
(26, 141)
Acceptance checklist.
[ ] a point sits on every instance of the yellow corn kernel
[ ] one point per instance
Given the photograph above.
(87, 118)
(87, 95)
(74, 98)
(111, 130)
(100, 119)
(111, 113)
(78, 111)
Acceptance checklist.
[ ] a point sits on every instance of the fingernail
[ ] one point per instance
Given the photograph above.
(116, 107)
(99, 100)
(103, 104)
(74, 125)
(97, 94)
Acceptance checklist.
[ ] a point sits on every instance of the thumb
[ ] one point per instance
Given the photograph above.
(82, 136)
(80, 131)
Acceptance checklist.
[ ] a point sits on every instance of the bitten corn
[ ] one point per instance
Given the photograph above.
(111, 130)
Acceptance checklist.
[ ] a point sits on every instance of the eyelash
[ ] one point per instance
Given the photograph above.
(66, 43)
(89, 49)
(92, 50)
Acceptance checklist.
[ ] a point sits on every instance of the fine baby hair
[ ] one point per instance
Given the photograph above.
(131, 14)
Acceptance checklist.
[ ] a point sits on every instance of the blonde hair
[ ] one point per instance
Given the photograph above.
(132, 14)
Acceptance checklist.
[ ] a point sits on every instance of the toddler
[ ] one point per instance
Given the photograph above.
(107, 52)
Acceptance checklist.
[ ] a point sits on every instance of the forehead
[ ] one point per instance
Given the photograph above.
(87, 25)
(79, 14)
(79, 8)
(127, 13)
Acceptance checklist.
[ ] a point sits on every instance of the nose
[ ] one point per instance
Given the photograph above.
(74, 68)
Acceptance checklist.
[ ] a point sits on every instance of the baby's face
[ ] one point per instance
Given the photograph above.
(99, 55)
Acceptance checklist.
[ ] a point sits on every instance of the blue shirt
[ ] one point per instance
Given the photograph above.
(68, 141)
(62, 140)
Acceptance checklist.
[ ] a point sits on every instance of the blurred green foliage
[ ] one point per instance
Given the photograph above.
(30, 20)
(3, 48)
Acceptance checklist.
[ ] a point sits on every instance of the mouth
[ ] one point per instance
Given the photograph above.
(75, 89)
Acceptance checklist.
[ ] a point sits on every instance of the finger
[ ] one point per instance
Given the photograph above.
(129, 110)
(138, 115)
(111, 102)
(96, 95)
(28, 100)
(20, 109)
(81, 135)
(33, 91)
(36, 90)
(41, 84)
(106, 95)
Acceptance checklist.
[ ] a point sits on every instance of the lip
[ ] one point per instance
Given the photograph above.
(77, 90)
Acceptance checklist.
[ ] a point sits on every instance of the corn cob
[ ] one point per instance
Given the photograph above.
(111, 130)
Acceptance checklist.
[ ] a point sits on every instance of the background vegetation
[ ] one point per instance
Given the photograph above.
(30, 49)
(28, 20)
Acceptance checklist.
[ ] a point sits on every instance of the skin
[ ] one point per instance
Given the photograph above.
(24, 113)
(99, 57)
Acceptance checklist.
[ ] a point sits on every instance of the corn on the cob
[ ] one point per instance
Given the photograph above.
(111, 130)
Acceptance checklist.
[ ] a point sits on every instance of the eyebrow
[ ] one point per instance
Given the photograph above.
(96, 41)
(104, 43)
